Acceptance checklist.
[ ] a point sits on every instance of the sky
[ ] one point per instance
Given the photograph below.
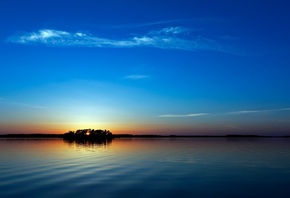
(186, 67)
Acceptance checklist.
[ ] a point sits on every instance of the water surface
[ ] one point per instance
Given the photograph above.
(165, 167)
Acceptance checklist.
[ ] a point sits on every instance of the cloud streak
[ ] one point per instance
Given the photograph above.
(182, 115)
(242, 112)
(166, 38)
(171, 31)
(256, 111)
(136, 77)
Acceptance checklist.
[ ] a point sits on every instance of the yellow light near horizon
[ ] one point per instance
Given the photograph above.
(87, 133)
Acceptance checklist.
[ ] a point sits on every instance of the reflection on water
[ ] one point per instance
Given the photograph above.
(170, 167)
(89, 142)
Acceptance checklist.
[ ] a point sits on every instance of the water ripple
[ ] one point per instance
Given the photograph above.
(144, 168)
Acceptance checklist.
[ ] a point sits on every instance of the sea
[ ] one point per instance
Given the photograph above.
(146, 167)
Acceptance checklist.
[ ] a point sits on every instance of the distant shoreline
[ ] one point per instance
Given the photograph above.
(27, 136)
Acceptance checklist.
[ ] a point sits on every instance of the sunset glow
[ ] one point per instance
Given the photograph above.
(145, 67)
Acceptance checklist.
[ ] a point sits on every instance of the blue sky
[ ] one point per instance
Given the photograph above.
(150, 67)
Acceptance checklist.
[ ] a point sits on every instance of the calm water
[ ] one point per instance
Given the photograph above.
(145, 168)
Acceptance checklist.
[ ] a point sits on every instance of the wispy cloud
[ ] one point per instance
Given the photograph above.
(188, 21)
(171, 31)
(166, 38)
(241, 112)
(182, 115)
(136, 77)
(256, 111)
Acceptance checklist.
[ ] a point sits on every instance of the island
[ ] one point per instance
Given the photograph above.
(88, 134)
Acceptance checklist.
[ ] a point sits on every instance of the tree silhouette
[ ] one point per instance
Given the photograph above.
(91, 134)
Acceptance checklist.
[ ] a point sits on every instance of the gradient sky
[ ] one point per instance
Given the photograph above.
(196, 67)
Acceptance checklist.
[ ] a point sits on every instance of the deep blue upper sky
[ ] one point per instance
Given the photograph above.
(167, 67)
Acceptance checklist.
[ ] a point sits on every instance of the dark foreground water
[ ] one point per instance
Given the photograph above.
(213, 167)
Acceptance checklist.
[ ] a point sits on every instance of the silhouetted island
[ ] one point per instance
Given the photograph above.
(88, 134)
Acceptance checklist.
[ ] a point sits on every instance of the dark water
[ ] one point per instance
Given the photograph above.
(146, 168)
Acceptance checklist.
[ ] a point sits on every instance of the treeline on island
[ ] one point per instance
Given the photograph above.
(91, 134)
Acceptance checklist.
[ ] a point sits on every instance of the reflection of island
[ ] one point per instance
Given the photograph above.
(88, 134)
(89, 142)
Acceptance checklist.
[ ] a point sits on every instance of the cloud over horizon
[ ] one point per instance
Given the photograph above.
(222, 114)
(166, 38)
(182, 115)
(256, 111)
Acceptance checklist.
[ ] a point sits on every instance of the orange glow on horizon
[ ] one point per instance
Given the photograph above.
(134, 128)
